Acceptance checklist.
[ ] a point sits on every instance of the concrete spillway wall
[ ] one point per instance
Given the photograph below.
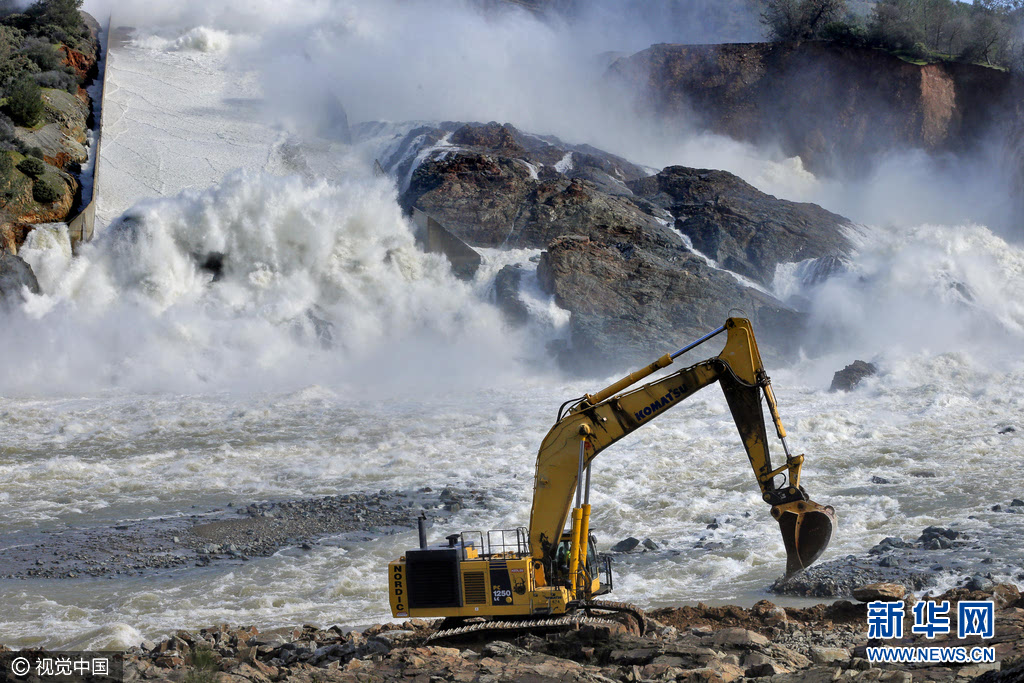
(434, 238)
(82, 227)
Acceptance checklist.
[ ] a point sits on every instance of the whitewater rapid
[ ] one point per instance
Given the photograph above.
(137, 387)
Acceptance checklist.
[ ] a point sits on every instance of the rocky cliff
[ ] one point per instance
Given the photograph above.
(61, 140)
(641, 261)
(834, 106)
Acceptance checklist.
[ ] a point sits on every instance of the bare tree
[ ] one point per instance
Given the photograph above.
(894, 24)
(938, 14)
(954, 40)
(800, 19)
(988, 38)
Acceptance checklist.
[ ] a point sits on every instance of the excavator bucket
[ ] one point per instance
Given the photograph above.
(806, 531)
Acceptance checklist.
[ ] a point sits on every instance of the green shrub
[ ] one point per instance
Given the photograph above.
(6, 169)
(32, 167)
(18, 20)
(43, 192)
(14, 67)
(7, 130)
(25, 102)
(204, 667)
(36, 152)
(919, 51)
(45, 54)
(844, 33)
(59, 80)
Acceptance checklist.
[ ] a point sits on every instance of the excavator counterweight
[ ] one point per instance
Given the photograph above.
(553, 572)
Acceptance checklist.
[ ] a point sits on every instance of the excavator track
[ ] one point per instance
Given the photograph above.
(521, 626)
(622, 608)
(580, 617)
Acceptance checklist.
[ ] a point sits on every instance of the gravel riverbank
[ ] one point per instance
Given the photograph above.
(233, 534)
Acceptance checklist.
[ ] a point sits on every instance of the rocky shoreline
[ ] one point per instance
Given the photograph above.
(916, 564)
(765, 643)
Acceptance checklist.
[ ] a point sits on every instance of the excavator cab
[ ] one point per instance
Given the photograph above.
(596, 569)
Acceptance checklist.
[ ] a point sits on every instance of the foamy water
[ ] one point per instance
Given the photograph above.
(137, 387)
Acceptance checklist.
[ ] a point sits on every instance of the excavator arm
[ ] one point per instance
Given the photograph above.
(597, 421)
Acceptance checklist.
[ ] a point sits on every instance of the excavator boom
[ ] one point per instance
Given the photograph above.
(598, 421)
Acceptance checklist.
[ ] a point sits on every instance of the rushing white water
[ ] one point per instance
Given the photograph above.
(137, 387)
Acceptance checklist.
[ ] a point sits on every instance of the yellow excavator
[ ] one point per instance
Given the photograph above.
(547, 576)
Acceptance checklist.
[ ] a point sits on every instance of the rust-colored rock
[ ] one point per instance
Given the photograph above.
(83, 64)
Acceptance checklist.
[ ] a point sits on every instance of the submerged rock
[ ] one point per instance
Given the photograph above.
(850, 376)
(506, 294)
(15, 277)
(626, 545)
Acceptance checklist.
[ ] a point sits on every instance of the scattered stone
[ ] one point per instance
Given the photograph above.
(649, 544)
(1005, 595)
(707, 644)
(879, 591)
(829, 655)
(1008, 430)
(852, 375)
(979, 583)
(879, 480)
(739, 637)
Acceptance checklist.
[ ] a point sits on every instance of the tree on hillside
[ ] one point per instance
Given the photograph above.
(897, 24)
(1005, 6)
(25, 102)
(800, 19)
(62, 13)
(987, 40)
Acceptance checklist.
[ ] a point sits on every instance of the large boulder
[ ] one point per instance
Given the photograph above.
(743, 229)
(15, 277)
(506, 295)
(630, 305)
(850, 376)
(621, 246)
(475, 196)
(540, 156)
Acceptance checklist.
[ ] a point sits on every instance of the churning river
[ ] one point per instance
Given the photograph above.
(134, 388)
